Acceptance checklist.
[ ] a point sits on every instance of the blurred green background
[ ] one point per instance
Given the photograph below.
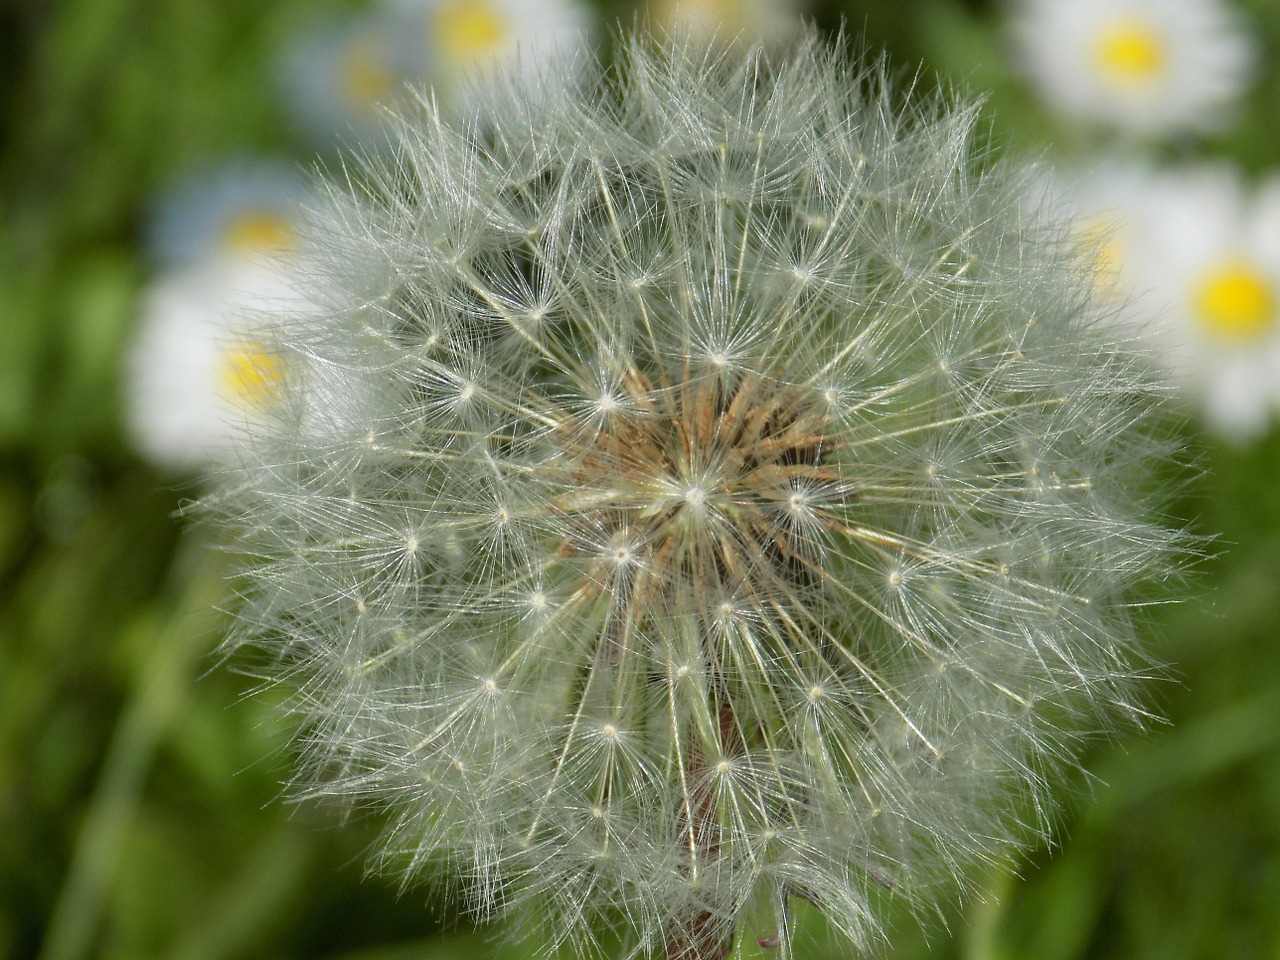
(140, 812)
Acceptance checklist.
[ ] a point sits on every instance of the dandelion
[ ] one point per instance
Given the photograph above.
(1143, 67)
(735, 506)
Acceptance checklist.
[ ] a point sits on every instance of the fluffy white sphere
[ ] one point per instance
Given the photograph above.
(737, 504)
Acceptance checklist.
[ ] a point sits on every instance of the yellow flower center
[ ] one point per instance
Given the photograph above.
(469, 30)
(258, 231)
(366, 81)
(1236, 302)
(1130, 53)
(251, 375)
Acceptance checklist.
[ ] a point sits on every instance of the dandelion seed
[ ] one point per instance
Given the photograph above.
(743, 598)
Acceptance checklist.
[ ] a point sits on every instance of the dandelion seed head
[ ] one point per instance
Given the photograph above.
(717, 588)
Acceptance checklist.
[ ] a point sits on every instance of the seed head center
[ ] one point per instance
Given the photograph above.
(699, 491)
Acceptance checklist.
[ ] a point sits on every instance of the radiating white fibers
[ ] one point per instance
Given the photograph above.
(734, 501)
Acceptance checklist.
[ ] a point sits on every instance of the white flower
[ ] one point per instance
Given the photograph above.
(1143, 66)
(753, 20)
(1205, 265)
(466, 39)
(242, 207)
(339, 77)
(1188, 261)
(201, 371)
(1102, 206)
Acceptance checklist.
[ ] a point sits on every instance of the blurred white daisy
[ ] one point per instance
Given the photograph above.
(754, 21)
(201, 371)
(339, 77)
(1102, 207)
(1142, 66)
(1204, 262)
(245, 207)
(466, 39)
